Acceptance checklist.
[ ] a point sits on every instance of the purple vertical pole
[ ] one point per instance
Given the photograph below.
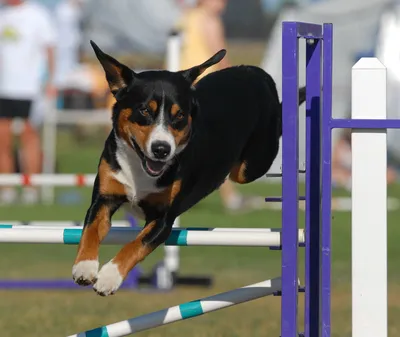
(326, 181)
(290, 189)
(313, 179)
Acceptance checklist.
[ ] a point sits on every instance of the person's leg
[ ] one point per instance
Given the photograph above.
(341, 177)
(7, 194)
(31, 154)
(6, 157)
(31, 159)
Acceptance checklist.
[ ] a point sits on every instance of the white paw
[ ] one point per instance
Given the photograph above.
(84, 273)
(109, 279)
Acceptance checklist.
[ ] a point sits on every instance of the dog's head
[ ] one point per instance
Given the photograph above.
(154, 109)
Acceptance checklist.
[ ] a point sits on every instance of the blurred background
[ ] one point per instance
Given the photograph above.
(60, 126)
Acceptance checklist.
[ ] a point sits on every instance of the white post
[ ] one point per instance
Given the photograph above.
(369, 198)
(49, 147)
(171, 257)
(173, 52)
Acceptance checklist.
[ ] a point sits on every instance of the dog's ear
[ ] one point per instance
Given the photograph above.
(191, 74)
(118, 75)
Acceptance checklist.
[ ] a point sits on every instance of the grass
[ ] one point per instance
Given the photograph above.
(60, 313)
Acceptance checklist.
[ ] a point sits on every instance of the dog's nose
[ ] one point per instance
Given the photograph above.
(160, 149)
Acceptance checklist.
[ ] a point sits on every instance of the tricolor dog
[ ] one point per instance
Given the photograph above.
(171, 145)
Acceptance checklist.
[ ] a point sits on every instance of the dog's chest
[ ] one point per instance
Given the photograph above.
(137, 183)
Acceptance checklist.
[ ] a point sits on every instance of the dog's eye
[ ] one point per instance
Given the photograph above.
(179, 115)
(144, 112)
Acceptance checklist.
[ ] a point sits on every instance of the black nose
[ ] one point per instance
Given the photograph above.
(160, 149)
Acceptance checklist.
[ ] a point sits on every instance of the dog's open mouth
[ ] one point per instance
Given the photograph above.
(154, 168)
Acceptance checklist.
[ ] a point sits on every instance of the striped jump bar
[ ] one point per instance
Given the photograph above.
(64, 179)
(185, 310)
(122, 235)
(47, 179)
(58, 224)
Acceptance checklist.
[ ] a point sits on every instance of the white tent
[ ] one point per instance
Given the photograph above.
(126, 25)
(355, 25)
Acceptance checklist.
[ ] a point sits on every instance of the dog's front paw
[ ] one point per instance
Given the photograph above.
(84, 273)
(109, 280)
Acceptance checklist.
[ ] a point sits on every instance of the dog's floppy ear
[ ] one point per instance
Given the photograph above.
(192, 73)
(118, 75)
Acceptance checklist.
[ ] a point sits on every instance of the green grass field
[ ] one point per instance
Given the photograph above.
(60, 313)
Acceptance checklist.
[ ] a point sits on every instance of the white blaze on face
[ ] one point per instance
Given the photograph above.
(160, 133)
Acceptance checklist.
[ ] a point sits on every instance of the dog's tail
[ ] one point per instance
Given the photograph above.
(302, 98)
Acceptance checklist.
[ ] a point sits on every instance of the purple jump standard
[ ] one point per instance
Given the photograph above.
(317, 259)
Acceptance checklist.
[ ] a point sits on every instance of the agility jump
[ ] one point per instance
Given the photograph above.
(369, 169)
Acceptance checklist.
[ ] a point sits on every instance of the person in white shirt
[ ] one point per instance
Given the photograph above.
(27, 39)
(68, 15)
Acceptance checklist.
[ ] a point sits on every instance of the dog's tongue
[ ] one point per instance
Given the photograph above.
(155, 166)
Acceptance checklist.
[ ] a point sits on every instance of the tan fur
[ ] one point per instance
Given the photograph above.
(165, 197)
(181, 136)
(116, 71)
(93, 234)
(126, 129)
(136, 251)
(108, 184)
(238, 173)
(153, 105)
(174, 109)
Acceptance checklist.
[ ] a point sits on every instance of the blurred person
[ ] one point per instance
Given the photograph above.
(68, 16)
(27, 39)
(342, 161)
(203, 35)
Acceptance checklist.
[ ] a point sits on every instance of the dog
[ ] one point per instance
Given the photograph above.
(172, 144)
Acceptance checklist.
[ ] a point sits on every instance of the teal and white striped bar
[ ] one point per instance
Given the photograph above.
(59, 224)
(121, 235)
(186, 310)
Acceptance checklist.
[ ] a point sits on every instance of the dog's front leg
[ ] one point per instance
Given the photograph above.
(115, 271)
(96, 226)
(154, 233)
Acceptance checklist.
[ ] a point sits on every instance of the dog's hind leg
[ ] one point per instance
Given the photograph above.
(257, 157)
(155, 232)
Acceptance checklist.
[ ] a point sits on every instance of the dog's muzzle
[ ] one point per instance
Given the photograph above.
(153, 168)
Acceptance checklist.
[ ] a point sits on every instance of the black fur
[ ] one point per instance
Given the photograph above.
(232, 118)
(239, 118)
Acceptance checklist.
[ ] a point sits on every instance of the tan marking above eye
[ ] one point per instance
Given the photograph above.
(181, 136)
(175, 108)
(153, 105)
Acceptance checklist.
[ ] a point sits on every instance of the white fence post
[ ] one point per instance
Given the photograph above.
(369, 202)
(49, 147)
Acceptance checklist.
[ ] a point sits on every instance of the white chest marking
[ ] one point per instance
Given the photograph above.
(135, 180)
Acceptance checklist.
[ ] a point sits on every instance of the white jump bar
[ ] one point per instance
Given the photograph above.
(178, 237)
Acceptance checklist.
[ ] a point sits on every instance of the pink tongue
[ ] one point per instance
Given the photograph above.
(155, 166)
